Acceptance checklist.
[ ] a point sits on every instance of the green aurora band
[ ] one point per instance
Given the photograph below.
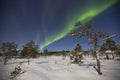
(85, 17)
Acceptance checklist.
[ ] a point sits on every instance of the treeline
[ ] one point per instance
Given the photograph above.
(55, 53)
(29, 50)
(10, 50)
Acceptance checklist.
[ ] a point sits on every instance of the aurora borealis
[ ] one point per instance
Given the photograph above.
(84, 17)
(49, 22)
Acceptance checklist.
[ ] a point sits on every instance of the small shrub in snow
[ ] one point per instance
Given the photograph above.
(17, 71)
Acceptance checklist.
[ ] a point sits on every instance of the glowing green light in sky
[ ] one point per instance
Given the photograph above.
(86, 16)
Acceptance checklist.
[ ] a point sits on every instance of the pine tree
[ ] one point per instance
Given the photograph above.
(9, 50)
(76, 55)
(30, 50)
(93, 37)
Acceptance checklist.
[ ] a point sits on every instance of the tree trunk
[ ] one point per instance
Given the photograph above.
(107, 57)
(5, 60)
(28, 61)
(98, 68)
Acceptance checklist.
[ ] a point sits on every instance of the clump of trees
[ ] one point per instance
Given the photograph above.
(109, 44)
(10, 50)
(46, 52)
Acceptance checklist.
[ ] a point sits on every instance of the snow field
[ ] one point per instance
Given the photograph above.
(55, 68)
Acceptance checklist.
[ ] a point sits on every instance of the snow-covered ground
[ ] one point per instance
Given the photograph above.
(55, 68)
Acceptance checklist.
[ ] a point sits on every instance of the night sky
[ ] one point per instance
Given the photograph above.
(48, 22)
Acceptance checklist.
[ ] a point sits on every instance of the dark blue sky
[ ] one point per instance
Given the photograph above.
(25, 20)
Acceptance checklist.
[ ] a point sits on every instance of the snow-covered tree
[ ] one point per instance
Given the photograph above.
(9, 50)
(76, 54)
(30, 50)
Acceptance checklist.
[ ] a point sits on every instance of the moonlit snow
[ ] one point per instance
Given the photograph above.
(56, 68)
